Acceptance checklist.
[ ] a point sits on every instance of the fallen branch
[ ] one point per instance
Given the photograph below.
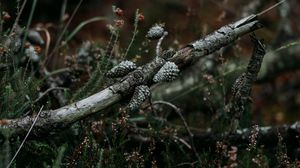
(266, 137)
(51, 120)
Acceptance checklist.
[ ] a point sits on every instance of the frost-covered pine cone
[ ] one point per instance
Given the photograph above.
(141, 93)
(155, 32)
(121, 69)
(168, 72)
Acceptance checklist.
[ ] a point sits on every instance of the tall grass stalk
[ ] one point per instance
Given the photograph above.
(57, 44)
(18, 17)
(32, 9)
(288, 45)
(20, 147)
(80, 26)
(135, 32)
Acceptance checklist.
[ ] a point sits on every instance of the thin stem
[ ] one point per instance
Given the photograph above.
(109, 46)
(291, 44)
(18, 17)
(64, 30)
(99, 165)
(113, 46)
(271, 7)
(46, 92)
(1, 20)
(177, 110)
(58, 71)
(80, 26)
(62, 14)
(135, 32)
(158, 46)
(26, 32)
(20, 147)
(100, 79)
(48, 40)
(29, 22)
(26, 67)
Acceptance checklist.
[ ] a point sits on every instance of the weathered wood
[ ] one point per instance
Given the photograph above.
(62, 117)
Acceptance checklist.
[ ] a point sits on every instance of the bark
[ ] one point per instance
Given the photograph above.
(241, 88)
(267, 137)
(64, 116)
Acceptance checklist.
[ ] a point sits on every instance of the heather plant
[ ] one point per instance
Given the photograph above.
(102, 109)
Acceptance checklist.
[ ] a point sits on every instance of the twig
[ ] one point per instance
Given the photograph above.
(80, 26)
(183, 142)
(20, 147)
(158, 46)
(187, 164)
(18, 18)
(62, 14)
(46, 92)
(271, 7)
(109, 47)
(113, 46)
(28, 23)
(177, 110)
(277, 63)
(52, 83)
(251, 7)
(1, 20)
(135, 31)
(58, 71)
(64, 30)
(48, 40)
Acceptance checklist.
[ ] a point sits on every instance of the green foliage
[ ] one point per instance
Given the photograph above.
(95, 82)
(17, 94)
(61, 152)
(149, 138)
(40, 153)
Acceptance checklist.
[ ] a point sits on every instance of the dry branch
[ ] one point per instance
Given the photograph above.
(242, 87)
(267, 137)
(64, 116)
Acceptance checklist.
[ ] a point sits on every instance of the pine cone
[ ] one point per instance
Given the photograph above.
(155, 32)
(167, 73)
(141, 93)
(121, 70)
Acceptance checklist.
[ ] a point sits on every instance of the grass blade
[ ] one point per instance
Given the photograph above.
(81, 25)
